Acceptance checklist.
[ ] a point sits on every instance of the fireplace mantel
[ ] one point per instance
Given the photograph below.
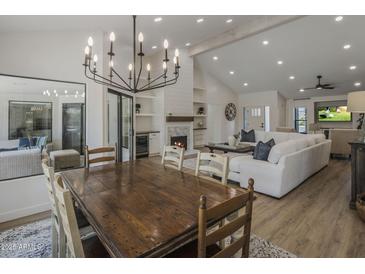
(179, 118)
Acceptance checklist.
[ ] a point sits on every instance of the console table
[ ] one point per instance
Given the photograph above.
(357, 170)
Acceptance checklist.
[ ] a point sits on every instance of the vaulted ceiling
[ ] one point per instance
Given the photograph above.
(307, 47)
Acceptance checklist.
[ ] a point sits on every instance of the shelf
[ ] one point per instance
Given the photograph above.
(199, 102)
(145, 96)
(199, 88)
(200, 115)
(145, 114)
(201, 128)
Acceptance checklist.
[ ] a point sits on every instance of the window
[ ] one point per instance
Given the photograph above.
(30, 119)
(301, 119)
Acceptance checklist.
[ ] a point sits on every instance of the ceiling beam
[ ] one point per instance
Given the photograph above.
(256, 26)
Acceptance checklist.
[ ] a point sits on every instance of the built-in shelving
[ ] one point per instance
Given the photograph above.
(203, 128)
(200, 120)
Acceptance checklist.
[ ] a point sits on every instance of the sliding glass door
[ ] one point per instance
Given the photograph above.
(120, 124)
(301, 119)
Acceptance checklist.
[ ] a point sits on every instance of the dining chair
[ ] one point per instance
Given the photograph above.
(57, 234)
(77, 246)
(173, 156)
(212, 164)
(206, 245)
(108, 154)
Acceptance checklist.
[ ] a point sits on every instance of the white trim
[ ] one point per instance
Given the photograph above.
(22, 212)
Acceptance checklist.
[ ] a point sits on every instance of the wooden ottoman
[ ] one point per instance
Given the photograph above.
(68, 158)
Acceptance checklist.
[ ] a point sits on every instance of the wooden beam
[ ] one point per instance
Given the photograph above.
(256, 26)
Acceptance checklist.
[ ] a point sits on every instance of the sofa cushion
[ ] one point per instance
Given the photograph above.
(280, 150)
(262, 150)
(24, 142)
(301, 144)
(260, 135)
(279, 137)
(319, 138)
(235, 162)
(310, 141)
(248, 136)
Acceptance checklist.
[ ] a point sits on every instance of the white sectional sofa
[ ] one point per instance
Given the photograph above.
(293, 159)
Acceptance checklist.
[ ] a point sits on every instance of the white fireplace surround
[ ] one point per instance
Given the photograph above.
(180, 129)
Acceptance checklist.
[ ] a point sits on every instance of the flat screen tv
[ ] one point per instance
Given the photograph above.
(333, 114)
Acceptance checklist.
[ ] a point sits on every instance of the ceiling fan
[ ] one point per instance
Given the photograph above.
(319, 85)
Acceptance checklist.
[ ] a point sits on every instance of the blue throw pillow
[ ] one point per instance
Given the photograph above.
(24, 142)
(262, 150)
(34, 141)
(248, 136)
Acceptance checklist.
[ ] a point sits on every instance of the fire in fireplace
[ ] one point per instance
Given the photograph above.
(180, 141)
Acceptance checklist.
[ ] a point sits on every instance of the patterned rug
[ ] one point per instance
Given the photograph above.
(34, 241)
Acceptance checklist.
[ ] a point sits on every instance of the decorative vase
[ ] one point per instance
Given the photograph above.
(360, 205)
(232, 141)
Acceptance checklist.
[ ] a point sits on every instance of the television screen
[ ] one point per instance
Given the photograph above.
(334, 114)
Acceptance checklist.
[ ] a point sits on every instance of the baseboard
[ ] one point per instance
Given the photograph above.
(22, 212)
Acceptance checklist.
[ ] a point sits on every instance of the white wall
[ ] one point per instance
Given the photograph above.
(310, 105)
(218, 96)
(52, 55)
(264, 98)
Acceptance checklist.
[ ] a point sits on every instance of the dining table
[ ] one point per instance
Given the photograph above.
(141, 208)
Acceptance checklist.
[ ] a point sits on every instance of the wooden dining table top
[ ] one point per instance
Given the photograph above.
(141, 208)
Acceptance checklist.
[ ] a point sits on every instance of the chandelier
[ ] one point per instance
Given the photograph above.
(134, 81)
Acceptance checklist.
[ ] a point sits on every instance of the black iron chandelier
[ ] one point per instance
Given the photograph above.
(133, 83)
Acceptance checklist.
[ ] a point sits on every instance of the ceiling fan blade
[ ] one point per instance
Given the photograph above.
(309, 88)
(328, 87)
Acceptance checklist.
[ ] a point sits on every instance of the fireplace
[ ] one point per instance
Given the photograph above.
(181, 141)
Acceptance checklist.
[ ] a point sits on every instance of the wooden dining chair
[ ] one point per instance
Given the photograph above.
(212, 164)
(58, 247)
(76, 245)
(173, 156)
(108, 154)
(206, 245)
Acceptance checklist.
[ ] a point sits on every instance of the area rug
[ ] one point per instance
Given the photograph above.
(34, 241)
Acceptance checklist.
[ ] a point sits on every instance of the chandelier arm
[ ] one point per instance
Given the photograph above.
(121, 78)
(140, 70)
(164, 83)
(154, 80)
(157, 86)
(109, 83)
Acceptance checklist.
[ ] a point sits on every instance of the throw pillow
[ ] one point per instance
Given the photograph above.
(248, 136)
(34, 141)
(24, 142)
(262, 150)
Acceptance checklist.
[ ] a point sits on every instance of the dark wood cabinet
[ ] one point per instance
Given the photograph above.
(357, 170)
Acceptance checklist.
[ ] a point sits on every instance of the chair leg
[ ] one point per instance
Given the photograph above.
(55, 246)
(62, 243)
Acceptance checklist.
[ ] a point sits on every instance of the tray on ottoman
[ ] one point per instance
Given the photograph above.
(67, 158)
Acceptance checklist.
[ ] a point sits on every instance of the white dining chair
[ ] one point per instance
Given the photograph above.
(173, 156)
(209, 164)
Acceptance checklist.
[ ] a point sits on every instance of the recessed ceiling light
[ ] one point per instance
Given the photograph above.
(357, 84)
(231, 72)
(154, 47)
(229, 21)
(245, 84)
(347, 46)
(280, 62)
(65, 91)
(301, 90)
(215, 58)
(200, 20)
(54, 91)
(339, 18)
(292, 77)
(158, 19)
(265, 42)
(352, 67)
(187, 44)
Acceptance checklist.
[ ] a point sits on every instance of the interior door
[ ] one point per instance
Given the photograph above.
(72, 126)
(254, 118)
(120, 124)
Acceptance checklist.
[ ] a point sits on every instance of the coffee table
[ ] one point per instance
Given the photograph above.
(227, 148)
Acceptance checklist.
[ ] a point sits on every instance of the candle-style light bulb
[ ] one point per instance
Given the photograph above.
(175, 60)
(95, 58)
(87, 50)
(140, 37)
(130, 67)
(148, 67)
(165, 44)
(177, 53)
(111, 63)
(112, 37)
(90, 41)
(164, 66)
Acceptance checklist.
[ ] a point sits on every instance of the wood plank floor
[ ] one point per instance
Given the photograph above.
(314, 220)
